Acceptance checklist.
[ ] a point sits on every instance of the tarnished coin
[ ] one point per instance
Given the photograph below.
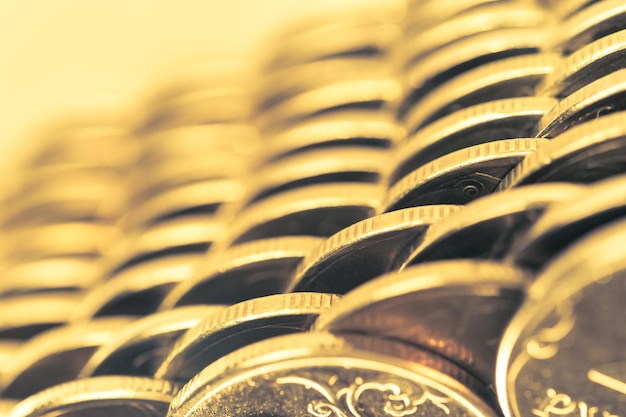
(597, 99)
(562, 352)
(240, 325)
(138, 290)
(498, 15)
(24, 316)
(585, 153)
(482, 123)
(457, 308)
(105, 395)
(586, 65)
(56, 356)
(517, 76)
(485, 228)
(364, 250)
(283, 84)
(564, 223)
(201, 197)
(313, 210)
(242, 272)
(140, 348)
(372, 93)
(321, 374)
(466, 54)
(359, 128)
(596, 21)
(461, 176)
(189, 234)
(62, 273)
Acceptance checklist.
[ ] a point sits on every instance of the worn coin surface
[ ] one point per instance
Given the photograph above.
(321, 374)
(562, 352)
(240, 325)
(364, 250)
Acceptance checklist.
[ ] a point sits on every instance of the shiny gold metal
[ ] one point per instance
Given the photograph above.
(512, 77)
(485, 228)
(316, 373)
(240, 325)
(466, 54)
(461, 176)
(117, 395)
(137, 290)
(313, 210)
(242, 272)
(140, 347)
(589, 63)
(585, 153)
(563, 223)
(425, 305)
(598, 98)
(21, 318)
(56, 356)
(495, 120)
(561, 352)
(364, 250)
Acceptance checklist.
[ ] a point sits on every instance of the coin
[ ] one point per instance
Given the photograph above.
(485, 228)
(517, 76)
(364, 250)
(6, 405)
(432, 12)
(358, 128)
(242, 272)
(140, 347)
(461, 176)
(189, 234)
(56, 356)
(21, 315)
(320, 374)
(482, 123)
(597, 99)
(313, 210)
(316, 166)
(425, 305)
(201, 197)
(371, 93)
(585, 153)
(464, 55)
(498, 15)
(589, 63)
(104, 395)
(562, 224)
(62, 273)
(138, 290)
(596, 21)
(567, 8)
(240, 325)
(561, 354)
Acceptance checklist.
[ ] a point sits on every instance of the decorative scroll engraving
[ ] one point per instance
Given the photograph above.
(345, 401)
(544, 344)
(557, 404)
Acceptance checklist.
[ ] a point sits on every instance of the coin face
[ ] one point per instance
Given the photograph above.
(461, 176)
(242, 272)
(239, 325)
(561, 354)
(105, 395)
(319, 374)
(424, 306)
(364, 250)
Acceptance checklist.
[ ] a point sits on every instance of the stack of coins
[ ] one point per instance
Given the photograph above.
(392, 218)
